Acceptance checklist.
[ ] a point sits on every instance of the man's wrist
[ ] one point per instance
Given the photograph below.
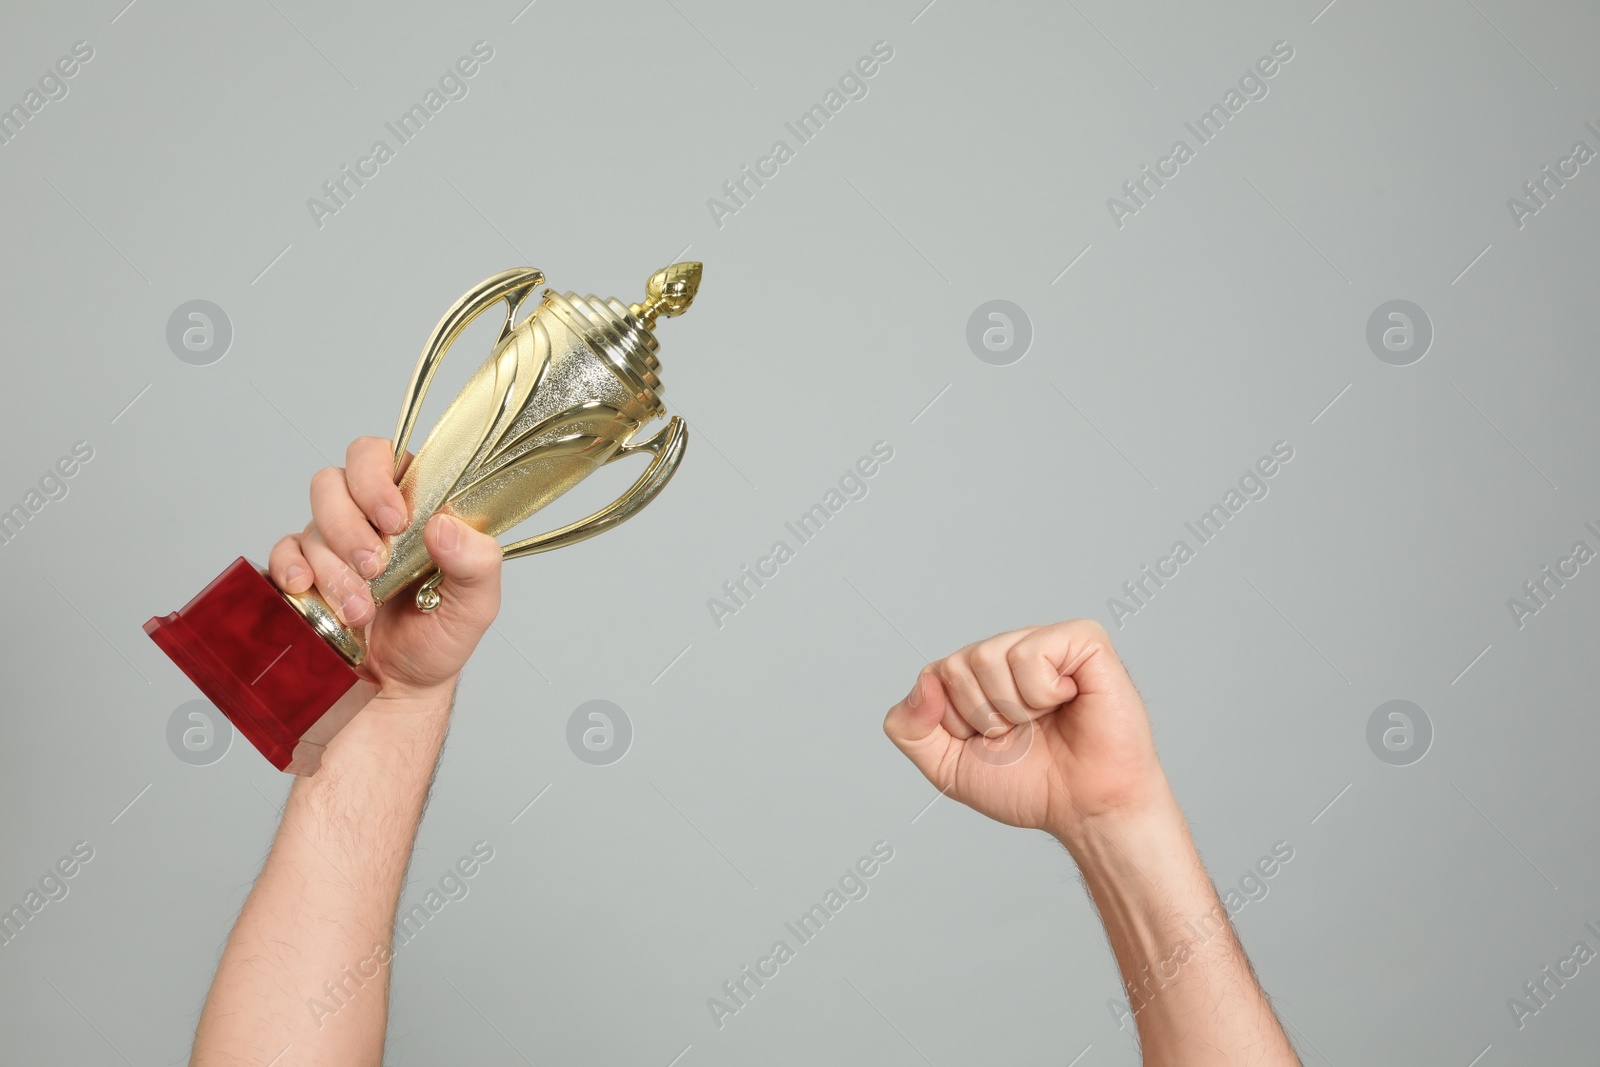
(401, 724)
(407, 700)
(1147, 842)
(1145, 876)
(1150, 807)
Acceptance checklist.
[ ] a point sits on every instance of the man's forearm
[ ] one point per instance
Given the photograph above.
(321, 914)
(1189, 984)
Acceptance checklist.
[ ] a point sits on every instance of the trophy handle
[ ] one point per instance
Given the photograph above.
(667, 445)
(512, 286)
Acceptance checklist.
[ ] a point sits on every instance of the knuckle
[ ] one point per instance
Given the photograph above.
(367, 443)
(1093, 631)
(335, 537)
(327, 477)
(988, 657)
(1091, 627)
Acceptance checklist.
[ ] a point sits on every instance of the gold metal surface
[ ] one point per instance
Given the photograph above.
(349, 643)
(562, 393)
(669, 292)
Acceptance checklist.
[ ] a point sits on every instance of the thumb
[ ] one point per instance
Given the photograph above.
(916, 725)
(470, 563)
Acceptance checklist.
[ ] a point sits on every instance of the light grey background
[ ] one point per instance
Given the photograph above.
(1228, 314)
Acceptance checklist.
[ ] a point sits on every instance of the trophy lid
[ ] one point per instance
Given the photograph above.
(624, 335)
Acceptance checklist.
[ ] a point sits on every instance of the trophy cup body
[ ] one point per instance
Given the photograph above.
(565, 391)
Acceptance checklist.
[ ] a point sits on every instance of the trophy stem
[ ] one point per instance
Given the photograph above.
(350, 643)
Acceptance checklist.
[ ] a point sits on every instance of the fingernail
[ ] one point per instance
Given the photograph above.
(352, 607)
(367, 564)
(449, 534)
(390, 519)
(293, 576)
(915, 696)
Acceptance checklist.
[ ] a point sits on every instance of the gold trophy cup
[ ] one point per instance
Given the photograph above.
(564, 392)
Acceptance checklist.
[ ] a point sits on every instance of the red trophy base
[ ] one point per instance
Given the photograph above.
(264, 666)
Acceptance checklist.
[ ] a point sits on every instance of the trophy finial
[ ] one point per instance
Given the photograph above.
(669, 292)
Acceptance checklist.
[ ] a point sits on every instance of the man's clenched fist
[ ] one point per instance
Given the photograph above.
(408, 651)
(1039, 727)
